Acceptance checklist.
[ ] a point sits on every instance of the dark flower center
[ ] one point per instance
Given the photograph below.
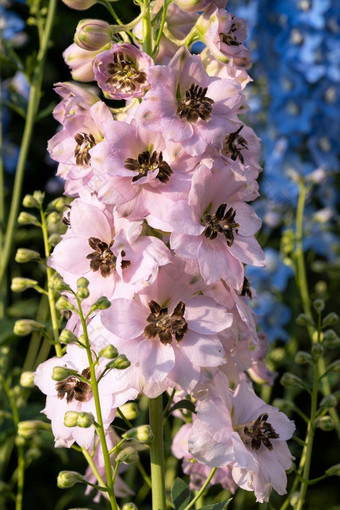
(164, 325)
(223, 222)
(85, 142)
(246, 289)
(74, 388)
(195, 105)
(257, 432)
(230, 37)
(149, 162)
(123, 75)
(103, 258)
(233, 145)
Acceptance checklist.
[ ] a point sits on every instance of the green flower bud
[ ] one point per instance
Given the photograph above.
(64, 304)
(24, 255)
(301, 358)
(130, 410)
(304, 320)
(58, 204)
(30, 202)
(54, 239)
(317, 350)
(24, 327)
(20, 284)
(61, 373)
(29, 428)
(120, 363)
(142, 434)
(83, 293)
(325, 423)
(331, 339)
(67, 337)
(289, 380)
(26, 218)
(330, 319)
(85, 420)
(58, 284)
(333, 471)
(334, 367)
(92, 34)
(82, 282)
(127, 456)
(129, 506)
(53, 218)
(71, 419)
(319, 305)
(39, 197)
(329, 401)
(294, 499)
(67, 479)
(27, 379)
(101, 304)
(80, 5)
(109, 352)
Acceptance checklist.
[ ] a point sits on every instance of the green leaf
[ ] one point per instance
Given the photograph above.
(180, 494)
(218, 506)
(183, 404)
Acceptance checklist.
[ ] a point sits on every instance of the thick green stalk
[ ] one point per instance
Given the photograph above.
(100, 428)
(147, 29)
(33, 105)
(157, 454)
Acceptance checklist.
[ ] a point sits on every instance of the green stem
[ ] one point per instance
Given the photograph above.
(157, 454)
(101, 432)
(33, 105)
(147, 28)
(2, 204)
(202, 490)
(92, 465)
(160, 30)
(50, 291)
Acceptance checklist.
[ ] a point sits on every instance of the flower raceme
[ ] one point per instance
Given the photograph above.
(160, 224)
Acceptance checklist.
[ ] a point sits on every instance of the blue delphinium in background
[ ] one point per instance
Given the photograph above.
(296, 50)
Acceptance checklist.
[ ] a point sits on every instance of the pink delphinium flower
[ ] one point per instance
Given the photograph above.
(122, 71)
(76, 100)
(240, 430)
(73, 394)
(80, 61)
(216, 228)
(167, 330)
(188, 106)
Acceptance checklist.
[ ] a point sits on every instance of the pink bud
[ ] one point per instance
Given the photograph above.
(92, 34)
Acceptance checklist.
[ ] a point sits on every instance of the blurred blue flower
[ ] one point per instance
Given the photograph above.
(10, 23)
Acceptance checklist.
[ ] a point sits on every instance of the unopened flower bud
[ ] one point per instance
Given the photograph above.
(53, 218)
(20, 284)
(24, 255)
(82, 282)
(334, 367)
(127, 456)
(294, 499)
(61, 373)
(26, 218)
(67, 337)
(80, 5)
(83, 293)
(64, 304)
(329, 401)
(120, 363)
(301, 358)
(30, 202)
(109, 352)
(333, 471)
(317, 350)
(54, 239)
(24, 327)
(92, 34)
(58, 204)
(194, 5)
(129, 506)
(325, 423)
(319, 304)
(289, 380)
(331, 339)
(58, 284)
(101, 304)
(29, 428)
(304, 320)
(27, 379)
(330, 319)
(71, 419)
(67, 479)
(130, 410)
(142, 434)
(85, 420)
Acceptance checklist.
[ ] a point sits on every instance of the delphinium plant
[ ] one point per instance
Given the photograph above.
(145, 258)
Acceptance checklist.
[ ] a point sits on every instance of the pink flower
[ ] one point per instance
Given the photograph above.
(239, 430)
(166, 330)
(215, 227)
(122, 71)
(76, 100)
(80, 61)
(188, 106)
